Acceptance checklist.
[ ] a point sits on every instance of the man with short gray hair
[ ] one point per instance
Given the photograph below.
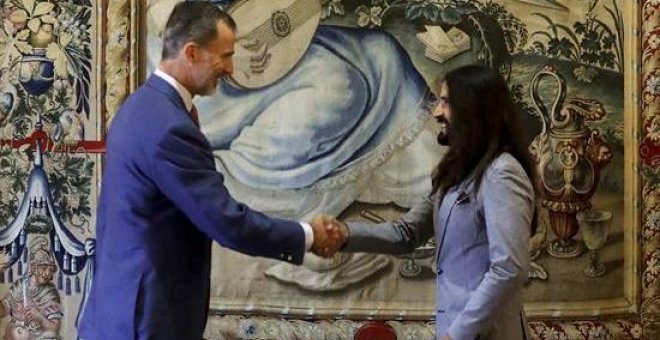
(163, 201)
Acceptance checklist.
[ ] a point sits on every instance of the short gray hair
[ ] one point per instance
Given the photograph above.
(192, 21)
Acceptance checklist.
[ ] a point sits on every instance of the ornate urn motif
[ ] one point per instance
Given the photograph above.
(37, 72)
(569, 156)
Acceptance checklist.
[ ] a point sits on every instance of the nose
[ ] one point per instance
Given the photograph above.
(229, 66)
(438, 111)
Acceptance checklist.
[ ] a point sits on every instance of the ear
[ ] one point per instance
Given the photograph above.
(190, 52)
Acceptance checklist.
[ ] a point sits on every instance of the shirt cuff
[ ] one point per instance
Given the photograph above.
(309, 235)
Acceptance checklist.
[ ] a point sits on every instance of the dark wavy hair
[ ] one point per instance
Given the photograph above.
(485, 121)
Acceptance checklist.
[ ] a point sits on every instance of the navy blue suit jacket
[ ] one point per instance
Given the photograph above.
(162, 202)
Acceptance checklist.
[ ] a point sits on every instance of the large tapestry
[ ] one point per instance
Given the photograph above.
(328, 112)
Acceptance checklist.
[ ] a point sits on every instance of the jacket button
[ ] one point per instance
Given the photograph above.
(290, 258)
(440, 271)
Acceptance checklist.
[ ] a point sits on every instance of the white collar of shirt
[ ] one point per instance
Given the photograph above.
(183, 92)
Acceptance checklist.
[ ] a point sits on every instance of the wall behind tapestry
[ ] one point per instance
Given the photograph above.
(362, 84)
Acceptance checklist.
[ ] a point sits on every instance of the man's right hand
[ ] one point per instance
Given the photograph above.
(329, 235)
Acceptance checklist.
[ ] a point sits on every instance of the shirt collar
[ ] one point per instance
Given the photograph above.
(183, 92)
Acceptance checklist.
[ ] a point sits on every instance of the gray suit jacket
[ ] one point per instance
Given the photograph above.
(482, 254)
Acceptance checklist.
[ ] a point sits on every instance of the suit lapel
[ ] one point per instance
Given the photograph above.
(439, 230)
(157, 83)
(442, 228)
(463, 188)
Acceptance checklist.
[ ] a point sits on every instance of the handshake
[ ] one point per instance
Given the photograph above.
(330, 235)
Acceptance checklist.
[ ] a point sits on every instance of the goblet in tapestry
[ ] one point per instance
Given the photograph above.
(409, 268)
(595, 226)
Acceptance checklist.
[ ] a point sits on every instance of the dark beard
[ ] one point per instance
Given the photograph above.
(443, 135)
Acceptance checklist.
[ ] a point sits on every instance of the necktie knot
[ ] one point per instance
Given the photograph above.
(194, 115)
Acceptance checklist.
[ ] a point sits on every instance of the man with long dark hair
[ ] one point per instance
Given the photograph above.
(481, 211)
(485, 124)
